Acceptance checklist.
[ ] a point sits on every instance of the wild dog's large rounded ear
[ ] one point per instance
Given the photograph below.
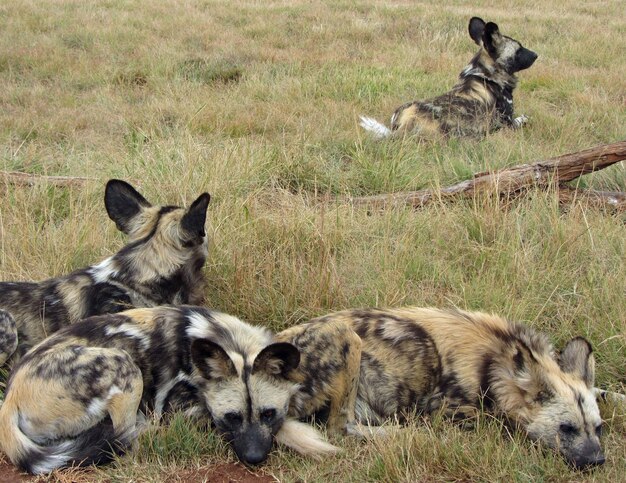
(277, 359)
(211, 360)
(577, 358)
(123, 203)
(194, 218)
(476, 29)
(491, 38)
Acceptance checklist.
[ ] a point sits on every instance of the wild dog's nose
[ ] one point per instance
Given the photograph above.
(254, 456)
(588, 460)
(586, 464)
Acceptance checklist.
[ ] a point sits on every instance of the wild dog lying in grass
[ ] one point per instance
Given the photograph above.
(425, 360)
(161, 264)
(482, 100)
(74, 398)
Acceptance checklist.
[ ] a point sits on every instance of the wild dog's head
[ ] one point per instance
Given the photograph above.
(248, 399)
(167, 243)
(504, 51)
(559, 407)
(137, 218)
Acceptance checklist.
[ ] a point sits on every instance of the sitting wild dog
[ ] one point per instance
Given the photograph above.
(74, 398)
(161, 264)
(482, 100)
(426, 360)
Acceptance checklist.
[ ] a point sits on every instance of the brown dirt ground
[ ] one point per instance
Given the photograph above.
(10, 474)
(222, 473)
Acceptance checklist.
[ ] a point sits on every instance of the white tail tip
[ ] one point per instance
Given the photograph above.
(380, 131)
(304, 439)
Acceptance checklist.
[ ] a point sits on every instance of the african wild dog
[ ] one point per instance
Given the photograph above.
(74, 398)
(482, 100)
(161, 264)
(425, 360)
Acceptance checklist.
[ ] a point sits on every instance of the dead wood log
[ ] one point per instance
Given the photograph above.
(26, 179)
(512, 181)
(614, 201)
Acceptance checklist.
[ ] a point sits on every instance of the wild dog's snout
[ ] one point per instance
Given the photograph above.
(524, 58)
(590, 456)
(253, 445)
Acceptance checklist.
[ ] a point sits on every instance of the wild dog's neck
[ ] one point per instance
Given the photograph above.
(500, 86)
(513, 384)
(482, 67)
(152, 276)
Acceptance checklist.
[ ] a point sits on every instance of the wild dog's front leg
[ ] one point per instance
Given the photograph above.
(8, 336)
(328, 372)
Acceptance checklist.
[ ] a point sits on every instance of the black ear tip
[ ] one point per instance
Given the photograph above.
(201, 201)
(205, 197)
(581, 342)
(116, 183)
(491, 27)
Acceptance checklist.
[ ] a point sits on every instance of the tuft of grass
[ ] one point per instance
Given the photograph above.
(207, 72)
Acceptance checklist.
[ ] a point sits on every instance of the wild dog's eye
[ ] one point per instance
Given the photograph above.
(568, 429)
(599, 430)
(233, 419)
(268, 415)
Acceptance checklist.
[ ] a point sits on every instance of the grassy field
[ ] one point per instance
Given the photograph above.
(257, 103)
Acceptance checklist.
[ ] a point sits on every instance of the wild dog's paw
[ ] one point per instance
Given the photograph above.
(520, 121)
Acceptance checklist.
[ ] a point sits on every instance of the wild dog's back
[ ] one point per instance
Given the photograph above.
(412, 357)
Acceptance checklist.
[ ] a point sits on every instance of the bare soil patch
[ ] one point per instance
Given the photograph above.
(10, 474)
(223, 473)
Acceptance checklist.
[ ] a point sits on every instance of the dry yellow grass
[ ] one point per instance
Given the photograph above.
(257, 103)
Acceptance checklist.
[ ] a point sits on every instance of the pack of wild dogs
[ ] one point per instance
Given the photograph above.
(92, 353)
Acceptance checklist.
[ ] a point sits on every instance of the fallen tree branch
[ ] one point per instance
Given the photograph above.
(509, 181)
(614, 201)
(26, 179)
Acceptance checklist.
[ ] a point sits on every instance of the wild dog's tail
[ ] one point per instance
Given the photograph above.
(96, 446)
(8, 336)
(380, 131)
(304, 439)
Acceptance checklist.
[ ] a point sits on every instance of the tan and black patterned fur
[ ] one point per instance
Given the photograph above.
(425, 360)
(75, 398)
(481, 101)
(161, 264)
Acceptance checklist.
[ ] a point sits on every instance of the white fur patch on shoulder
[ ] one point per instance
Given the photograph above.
(130, 330)
(380, 131)
(103, 271)
(198, 326)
